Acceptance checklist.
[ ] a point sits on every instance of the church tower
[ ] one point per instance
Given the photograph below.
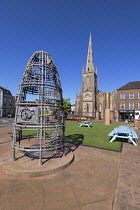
(87, 100)
(90, 103)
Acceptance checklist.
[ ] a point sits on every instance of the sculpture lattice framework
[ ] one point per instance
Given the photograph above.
(39, 124)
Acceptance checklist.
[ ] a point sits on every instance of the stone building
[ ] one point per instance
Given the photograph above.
(7, 103)
(86, 101)
(91, 101)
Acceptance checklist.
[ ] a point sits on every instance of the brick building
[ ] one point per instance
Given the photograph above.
(128, 101)
(7, 102)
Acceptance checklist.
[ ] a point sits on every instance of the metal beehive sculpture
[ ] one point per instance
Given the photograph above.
(39, 124)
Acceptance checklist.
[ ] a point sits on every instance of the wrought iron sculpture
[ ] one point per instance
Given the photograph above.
(39, 124)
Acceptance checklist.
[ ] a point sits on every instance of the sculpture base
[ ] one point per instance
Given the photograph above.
(24, 166)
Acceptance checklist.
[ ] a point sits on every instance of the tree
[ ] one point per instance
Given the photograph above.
(67, 105)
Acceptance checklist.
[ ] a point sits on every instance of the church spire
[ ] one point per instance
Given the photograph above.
(83, 69)
(90, 62)
(90, 40)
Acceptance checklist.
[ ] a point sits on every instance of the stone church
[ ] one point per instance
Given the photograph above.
(91, 102)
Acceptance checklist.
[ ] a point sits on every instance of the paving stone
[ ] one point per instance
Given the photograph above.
(96, 180)
(128, 187)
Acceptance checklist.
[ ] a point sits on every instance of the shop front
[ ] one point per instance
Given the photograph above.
(126, 115)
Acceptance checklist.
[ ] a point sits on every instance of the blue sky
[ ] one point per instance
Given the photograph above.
(62, 28)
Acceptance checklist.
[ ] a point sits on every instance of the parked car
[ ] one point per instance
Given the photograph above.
(11, 115)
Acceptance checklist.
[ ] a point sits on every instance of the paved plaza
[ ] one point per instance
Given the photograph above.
(97, 179)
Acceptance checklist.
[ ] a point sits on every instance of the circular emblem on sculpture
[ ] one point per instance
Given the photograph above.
(26, 114)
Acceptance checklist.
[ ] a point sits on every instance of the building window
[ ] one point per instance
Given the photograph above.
(122, 105)
(131, 105)
(122, 96)
(5, 99)
(131, 95)
(10, 100)
(139, 95)
(138, 105)
(88, 81)
(87, 96)
(87, 108)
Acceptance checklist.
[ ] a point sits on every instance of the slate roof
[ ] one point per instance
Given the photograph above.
(130, 85)
(5, 91)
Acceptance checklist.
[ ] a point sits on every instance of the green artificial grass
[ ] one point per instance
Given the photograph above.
(96, 136)
(31, 132)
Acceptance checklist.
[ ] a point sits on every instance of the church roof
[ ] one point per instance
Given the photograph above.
(130, 85)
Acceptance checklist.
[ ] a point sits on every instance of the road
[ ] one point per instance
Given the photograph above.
(6, 122)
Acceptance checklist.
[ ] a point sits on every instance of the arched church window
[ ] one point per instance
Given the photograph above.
(87, 107)
(87, 96)
(100, 107)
